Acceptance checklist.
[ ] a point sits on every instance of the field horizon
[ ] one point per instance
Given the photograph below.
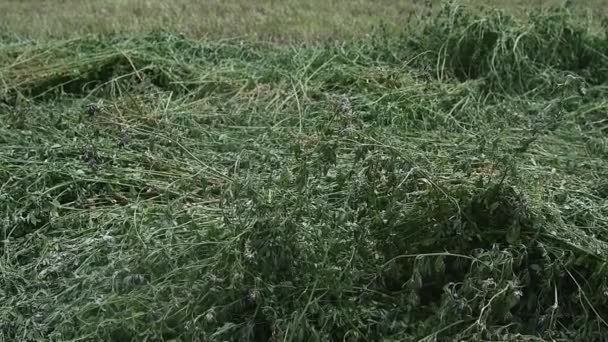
(287, 21)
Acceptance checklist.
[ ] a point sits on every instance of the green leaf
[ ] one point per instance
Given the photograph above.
(513, 234)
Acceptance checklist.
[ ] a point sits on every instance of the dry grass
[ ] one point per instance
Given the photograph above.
(259, 19)
(232, 18)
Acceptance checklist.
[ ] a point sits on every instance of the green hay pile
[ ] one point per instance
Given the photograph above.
(447, 184)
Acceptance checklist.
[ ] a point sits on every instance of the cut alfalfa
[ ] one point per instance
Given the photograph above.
(82, 66)
(511, 54)
(301, 193)
(488, 257)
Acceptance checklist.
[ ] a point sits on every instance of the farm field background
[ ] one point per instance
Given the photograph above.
(283, 21)
(303, 171)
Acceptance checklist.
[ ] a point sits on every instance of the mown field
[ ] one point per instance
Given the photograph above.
(279, 21)
(444, 179)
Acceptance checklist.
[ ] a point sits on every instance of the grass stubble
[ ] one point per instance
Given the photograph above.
(447, 183)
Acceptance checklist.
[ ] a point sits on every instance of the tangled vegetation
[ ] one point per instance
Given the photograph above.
(449, 183)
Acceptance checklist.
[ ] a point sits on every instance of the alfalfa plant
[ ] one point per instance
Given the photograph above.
(511, 54)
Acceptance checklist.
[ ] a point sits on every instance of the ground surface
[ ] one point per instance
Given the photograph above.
(444, 180)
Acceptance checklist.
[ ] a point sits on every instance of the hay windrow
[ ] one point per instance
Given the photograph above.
(444, 184)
